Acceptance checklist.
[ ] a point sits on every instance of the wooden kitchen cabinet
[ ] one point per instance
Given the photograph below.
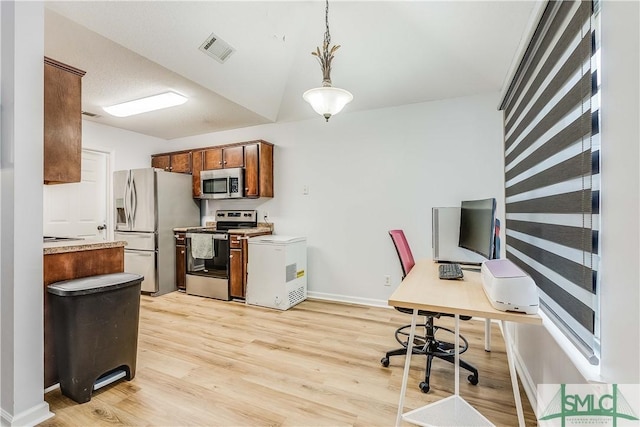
(62, 122)
(173, 162)
(181, 261)
(223, 157)
(256, 157)
(238, 261)
(237, 270)
(258, 172)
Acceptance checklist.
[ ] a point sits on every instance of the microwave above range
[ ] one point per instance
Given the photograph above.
(222, 183)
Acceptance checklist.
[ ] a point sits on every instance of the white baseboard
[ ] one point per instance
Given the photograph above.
(352, 300)
(31, 417)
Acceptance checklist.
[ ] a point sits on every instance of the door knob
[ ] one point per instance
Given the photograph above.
(102, 227)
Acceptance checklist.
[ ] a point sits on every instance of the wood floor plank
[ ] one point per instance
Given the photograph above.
(216, 363)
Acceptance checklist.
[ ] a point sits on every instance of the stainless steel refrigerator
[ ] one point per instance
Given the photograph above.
(149, 204)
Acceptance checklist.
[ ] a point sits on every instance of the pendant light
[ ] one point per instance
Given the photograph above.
(327, 100)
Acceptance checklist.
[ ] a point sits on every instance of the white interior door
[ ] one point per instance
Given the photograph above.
(79, 209)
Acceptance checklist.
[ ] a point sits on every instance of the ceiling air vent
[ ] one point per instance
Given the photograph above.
(216, 48)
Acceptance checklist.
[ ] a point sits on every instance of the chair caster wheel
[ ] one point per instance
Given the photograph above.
(385, 362)
(424, 387)
(473, 379)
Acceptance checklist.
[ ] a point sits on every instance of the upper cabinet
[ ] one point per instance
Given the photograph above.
(223, 157)
(256, 157)
(62, 122)
(258, 171)
(173, 162)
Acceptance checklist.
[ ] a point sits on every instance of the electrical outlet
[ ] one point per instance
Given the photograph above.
(387, 280)
(305, 190)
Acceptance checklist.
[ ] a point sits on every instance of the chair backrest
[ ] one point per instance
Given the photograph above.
(404, 251)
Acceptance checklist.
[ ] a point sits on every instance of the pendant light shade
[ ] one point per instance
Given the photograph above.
(327, 100)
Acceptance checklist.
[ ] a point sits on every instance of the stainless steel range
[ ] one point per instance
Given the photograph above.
(208, 253)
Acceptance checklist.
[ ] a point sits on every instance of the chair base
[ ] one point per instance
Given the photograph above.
(431, 347)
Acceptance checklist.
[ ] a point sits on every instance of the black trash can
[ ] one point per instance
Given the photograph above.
(96, 331)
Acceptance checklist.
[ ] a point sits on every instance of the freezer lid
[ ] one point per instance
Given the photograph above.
(275, 239)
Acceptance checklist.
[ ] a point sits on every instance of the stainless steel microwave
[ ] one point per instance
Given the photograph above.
(222, 183)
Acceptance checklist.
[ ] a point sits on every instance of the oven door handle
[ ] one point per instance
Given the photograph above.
(214, 236)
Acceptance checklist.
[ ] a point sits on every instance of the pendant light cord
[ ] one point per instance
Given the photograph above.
(327, 36)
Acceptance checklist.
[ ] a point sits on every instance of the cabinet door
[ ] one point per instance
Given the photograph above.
(161, 162)
(251, 171)
(266, 170)
(181, 163)
(233, 157)
(196, 168)
(212, 159)
(62, 123)
(181, 267)
(236, 273)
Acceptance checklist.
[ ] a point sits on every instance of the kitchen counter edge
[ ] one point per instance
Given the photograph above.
(80, 245)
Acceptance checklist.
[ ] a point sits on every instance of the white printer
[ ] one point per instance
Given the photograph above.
(508, 288)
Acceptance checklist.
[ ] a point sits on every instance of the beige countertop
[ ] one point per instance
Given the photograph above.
(80, 245)
(262, 228)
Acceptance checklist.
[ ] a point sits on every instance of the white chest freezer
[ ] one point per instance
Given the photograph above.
(277, 271)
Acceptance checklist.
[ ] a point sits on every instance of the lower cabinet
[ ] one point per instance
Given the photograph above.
(238, 259)
(237, 267)
(181, 261)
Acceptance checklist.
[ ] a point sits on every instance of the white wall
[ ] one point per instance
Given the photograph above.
(131, 150)
(620, 280)
(369, 172)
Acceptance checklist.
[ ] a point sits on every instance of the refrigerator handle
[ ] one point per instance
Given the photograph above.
(127, 187)
(134, 200)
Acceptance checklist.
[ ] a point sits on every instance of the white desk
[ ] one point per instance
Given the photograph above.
(423, 290)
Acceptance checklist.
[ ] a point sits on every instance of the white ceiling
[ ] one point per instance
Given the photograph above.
(393, 53)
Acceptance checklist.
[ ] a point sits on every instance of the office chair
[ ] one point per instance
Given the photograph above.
(427, 343)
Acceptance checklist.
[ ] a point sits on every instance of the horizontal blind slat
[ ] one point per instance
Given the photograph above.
(574, 237)
(574, 202)
(563, 139)
(567, 103)
(574, 167)
(576, 309)
(574, 62)
(540, 41)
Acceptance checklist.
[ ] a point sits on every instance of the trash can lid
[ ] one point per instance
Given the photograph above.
(94, 284)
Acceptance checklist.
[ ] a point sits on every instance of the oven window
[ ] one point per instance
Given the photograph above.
(218, 266)
(214, 186)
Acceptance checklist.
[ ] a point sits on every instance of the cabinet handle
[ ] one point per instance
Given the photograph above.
(182, 252)
(225, 162)
(230, 256)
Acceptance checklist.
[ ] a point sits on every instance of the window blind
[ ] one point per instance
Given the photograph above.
(552, 168)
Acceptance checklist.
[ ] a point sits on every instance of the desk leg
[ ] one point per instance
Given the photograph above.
(457, 355)
(487, 334)
(512, 372)
(407, 365)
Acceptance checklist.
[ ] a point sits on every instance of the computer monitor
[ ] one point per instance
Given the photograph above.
(477, 226)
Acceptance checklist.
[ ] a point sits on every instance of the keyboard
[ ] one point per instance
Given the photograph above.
(450, 271)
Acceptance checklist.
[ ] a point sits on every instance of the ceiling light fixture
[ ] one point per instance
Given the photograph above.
(144, 105)
(327, 100)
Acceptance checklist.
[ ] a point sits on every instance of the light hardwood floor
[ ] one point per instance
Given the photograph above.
(215, 363)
